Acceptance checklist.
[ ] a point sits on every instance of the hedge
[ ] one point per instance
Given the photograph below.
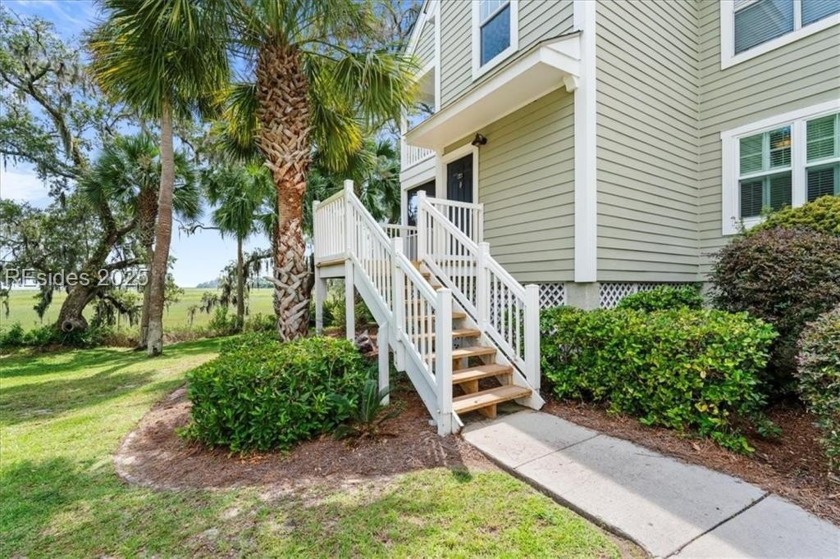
(819, 379)
(683, 369)
(261, 394)
(662, 298)
(787, 277)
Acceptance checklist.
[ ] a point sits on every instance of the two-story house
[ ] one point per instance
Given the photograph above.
(615, 145)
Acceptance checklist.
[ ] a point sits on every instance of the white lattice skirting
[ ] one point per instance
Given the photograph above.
(552, 295)
(612, 293)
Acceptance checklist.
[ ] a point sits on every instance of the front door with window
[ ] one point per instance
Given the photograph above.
(459, 188)
(459, 180)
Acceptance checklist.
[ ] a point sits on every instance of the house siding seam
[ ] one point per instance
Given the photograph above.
(538, 20)
(647, 135)
(526, 183)
(795, 76)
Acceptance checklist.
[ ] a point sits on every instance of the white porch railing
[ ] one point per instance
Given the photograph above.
(506, 311)
(468, 217)
(412, 155)
(408, 233)
(329, 227)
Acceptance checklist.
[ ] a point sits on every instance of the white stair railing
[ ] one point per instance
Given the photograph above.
(417, 316)
(408, 233)
(469, 218)
(505, 310)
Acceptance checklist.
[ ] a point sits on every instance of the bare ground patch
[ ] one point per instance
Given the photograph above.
(153, 455)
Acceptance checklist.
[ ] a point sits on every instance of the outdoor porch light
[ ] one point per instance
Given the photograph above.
(479, 140)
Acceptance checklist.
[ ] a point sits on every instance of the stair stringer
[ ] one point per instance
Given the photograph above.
(407, 361)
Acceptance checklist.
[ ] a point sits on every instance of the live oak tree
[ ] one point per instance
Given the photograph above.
(52, 118)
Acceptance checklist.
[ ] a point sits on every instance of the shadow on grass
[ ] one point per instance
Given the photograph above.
(44, 400)
(71, 360)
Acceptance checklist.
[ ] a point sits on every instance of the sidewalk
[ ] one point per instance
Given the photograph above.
(668, 507)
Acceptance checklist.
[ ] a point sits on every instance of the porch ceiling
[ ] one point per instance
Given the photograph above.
(544, 68)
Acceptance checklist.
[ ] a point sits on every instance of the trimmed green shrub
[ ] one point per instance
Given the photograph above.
(683, 369)
(786, 277)
(823, 215)
(819, 379)
(260, 394)
(663, 298)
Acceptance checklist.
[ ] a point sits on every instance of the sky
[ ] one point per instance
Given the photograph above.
(199, 257)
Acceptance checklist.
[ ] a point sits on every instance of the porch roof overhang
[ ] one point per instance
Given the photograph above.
(542, 69)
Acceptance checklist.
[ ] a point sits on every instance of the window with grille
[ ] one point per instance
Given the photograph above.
(787, 160)
(765, 172)
(823, 156)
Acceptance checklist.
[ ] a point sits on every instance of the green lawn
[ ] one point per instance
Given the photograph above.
(21, 303)
(63, 414)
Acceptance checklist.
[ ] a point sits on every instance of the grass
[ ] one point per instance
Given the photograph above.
(62, 415)
(176, 316)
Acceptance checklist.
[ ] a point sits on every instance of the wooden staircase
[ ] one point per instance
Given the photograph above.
(483, 383)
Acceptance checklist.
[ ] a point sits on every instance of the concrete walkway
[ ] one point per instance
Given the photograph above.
(668, 507)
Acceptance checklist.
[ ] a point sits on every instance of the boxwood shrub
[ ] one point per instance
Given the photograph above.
(683, 369)
(787, 277)
(664, 297)
(260, 394)
(819, 379)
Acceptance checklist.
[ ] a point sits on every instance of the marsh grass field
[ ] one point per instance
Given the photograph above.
(22, 301)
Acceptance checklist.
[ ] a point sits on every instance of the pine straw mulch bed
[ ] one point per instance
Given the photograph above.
(793, 466)
(153, 455)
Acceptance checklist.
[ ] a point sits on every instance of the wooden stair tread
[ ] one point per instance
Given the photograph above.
(489, 397)
(459, 333)
(474, 351)
(480, 372)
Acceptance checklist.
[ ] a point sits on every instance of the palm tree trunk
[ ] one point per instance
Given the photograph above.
(163, 234)
(144, 312)
(282, 92)
(240, 286)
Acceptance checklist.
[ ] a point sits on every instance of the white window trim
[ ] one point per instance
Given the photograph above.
(728, 58)
(441, 190)
(477, 69)
(730, 146)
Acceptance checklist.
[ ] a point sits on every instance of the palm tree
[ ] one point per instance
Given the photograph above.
(375, 172)
(317, 86)
(128, 171)
(241, 194)
(166, 59)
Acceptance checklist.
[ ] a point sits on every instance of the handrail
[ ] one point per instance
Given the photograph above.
(505, 310)
(417, 315)
(466, 216)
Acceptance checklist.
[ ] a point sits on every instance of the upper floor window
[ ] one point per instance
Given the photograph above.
(495, 32)
(752, 27)
(786, 161)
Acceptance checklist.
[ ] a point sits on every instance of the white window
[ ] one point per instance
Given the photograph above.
(752, 27)
(495, 32)
(783, 161)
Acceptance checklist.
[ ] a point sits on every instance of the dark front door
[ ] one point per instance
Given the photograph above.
(459, 180)
(459, 188)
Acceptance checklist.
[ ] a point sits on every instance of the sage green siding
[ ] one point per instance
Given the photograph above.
(538, 20)
(425, 49)
(798, 75)
(647, 85)
(526, 183)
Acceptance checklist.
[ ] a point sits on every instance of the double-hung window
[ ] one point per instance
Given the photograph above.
(823, 157)
(495, 32)
(752, 27)
(765, 179)
(782, 161)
